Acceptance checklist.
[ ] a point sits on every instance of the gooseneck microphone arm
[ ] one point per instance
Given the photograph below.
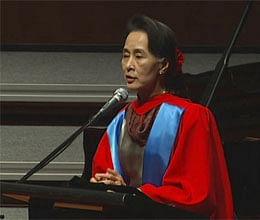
(120, 96)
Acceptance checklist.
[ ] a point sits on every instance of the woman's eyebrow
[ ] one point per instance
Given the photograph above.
(139, 50)
(125, 50)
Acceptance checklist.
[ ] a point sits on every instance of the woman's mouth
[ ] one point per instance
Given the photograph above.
(130, 79)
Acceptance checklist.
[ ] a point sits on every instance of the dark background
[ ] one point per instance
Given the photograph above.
(198, 23)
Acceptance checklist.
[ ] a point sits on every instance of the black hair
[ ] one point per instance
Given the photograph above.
(161, 43)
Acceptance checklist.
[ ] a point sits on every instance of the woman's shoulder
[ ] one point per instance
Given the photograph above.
(194, 113)
(189, 106)
(184, 103)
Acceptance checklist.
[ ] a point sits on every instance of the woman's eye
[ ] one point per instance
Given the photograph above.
(125, 55)
(139, 56)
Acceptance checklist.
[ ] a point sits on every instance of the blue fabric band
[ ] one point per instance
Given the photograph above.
(160, 143)
(114, 132)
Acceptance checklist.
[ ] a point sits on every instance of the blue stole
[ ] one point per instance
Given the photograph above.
(159, 145)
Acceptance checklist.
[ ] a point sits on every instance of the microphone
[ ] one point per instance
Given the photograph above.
(120, 96)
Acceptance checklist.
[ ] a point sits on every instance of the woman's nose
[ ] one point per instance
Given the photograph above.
(130, 64)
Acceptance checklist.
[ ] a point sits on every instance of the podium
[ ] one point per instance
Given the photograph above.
(92, 202)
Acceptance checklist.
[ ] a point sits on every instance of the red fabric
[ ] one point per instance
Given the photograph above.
(102, 159)
(197, 177)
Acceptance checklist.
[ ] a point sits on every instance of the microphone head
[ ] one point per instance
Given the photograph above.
(121, 94)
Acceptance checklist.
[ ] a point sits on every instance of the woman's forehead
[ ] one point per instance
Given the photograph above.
(136, 40)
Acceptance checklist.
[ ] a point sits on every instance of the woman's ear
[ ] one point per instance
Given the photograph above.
(164, 65)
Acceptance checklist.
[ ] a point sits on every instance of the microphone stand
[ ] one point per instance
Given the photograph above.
(56, 152)
(210, 90)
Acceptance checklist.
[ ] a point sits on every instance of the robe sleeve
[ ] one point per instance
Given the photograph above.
(196, 178)
(102, 159)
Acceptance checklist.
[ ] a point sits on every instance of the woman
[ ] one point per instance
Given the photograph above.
(166, 146)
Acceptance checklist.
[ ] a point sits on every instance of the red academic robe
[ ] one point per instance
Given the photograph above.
(196, 178)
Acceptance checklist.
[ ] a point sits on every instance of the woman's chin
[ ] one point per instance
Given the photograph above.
(131, 87)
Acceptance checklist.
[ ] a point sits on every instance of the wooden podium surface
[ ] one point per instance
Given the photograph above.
(92, 201)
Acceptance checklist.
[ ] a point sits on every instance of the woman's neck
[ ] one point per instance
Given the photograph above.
(145, 96)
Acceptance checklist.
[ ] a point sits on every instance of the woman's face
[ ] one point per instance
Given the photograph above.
(140, 66)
